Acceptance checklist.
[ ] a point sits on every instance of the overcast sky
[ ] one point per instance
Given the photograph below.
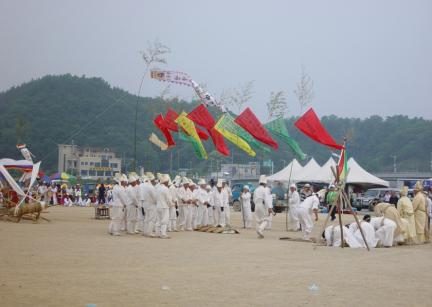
(365, 57)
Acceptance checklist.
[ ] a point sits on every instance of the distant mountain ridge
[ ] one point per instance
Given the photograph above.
(58, 109)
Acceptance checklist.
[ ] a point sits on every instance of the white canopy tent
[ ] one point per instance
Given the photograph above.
(309, 171)
(284, 174)
(312, 172)
(325, 174)
(359, 176)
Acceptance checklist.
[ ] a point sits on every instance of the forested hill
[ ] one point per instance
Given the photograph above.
(58, 109)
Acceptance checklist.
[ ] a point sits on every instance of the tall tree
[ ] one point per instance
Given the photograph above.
(154, 53)
(304, 91)
(277, 105)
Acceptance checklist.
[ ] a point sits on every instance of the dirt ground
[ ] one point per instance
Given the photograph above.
(72, 261)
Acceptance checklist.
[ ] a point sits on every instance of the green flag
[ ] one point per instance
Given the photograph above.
(278, 128)
(229, 124)
(195, 145)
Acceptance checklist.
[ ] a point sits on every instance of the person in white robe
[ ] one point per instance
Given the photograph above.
(305, 210)
(202, 202)
(263, 207)
(139, 226)
(78, 196)
(227, 211)
(246, 207)
(185, 199)
(118, 205)
(148, 191)
(210, 207)
(132, 206)
(384, 229)
(172, 224)
(219, 199)
(332, 235)
(54, 191)
(191, 220)
(164, 202)
(368, 231)
(293, 205)
(269, 200)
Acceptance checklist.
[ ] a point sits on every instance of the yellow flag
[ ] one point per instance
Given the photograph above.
(235, 139)
(155, 140)
(189, 127)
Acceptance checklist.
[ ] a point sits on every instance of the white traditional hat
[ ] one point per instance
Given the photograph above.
(150, 176)
(307, 185)
(117, 177)
(192, 184)
(404, 191)
(165, 178)
(123, 178)
(185, 180)
(133, 177)
(263, 179)
(219, 184)
(418, 186)
(246, 187)
(201, 181)
(208, 187)
(293, 185)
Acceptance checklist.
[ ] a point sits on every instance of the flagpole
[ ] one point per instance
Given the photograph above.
(288, 190)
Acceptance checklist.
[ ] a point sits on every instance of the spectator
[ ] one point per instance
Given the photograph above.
(393, 199)
(101, 194)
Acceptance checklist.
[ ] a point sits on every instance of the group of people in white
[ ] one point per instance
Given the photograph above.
(62, 194)
(406, 224)
(153, 206)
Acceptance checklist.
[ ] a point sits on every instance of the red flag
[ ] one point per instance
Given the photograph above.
(310, 125)
(160, 123)
(201, 116)
(219, 142)
(170, 118)
(248, 121)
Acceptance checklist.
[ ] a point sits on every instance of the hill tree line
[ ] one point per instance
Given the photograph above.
(88, 111)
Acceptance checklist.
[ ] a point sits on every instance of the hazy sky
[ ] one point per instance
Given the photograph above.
(365, 57)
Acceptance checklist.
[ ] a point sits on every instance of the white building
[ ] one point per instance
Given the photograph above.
(87, 162)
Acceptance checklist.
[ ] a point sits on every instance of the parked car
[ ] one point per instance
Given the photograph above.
(280, 201)
(371, 196)
(236, 190)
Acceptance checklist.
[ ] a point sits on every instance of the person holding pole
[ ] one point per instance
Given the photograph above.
(246, 206)
(293, 204)
(263, 207)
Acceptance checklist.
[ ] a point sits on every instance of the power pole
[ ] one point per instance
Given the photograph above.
(394, 163)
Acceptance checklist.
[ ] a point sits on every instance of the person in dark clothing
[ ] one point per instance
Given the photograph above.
(101, 194)
(393, 199)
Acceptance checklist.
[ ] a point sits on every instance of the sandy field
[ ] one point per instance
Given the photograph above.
(72, 261)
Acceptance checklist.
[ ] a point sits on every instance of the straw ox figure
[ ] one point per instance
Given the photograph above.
(33, 210)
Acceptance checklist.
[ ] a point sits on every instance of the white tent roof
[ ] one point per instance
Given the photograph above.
(284, 174)
(325, 174)
(310, 171)
(357, 175)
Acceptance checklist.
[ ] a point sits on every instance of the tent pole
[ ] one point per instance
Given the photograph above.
(288, 190)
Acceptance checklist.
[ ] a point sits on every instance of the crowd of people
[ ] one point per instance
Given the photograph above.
(154, 205)
(407, 222)
(62, 194)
